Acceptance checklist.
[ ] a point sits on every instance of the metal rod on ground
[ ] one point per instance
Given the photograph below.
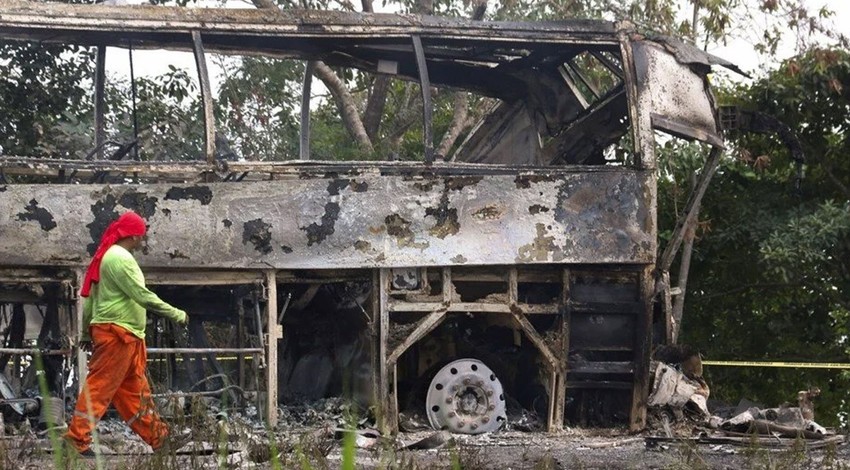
(43, 352)
(204, 350)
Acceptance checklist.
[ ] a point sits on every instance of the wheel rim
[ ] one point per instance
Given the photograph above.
(466, 397)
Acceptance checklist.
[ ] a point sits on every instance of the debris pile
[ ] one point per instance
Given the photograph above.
(678, 409)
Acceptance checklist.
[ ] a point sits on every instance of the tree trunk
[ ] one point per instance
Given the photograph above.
(458, 124)
(345, 104)
(375, 106)
(460, 116)
(343, 99)
(265, 4)
(684, 268)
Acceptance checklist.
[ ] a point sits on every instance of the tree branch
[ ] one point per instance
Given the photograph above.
(265, 4)
(459, 122)
(779, 285)
(460, 115)
(345, 104)
(343, 99)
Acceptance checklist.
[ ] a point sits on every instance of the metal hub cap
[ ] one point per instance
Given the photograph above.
(466, 397)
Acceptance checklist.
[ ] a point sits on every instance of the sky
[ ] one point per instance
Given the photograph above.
(741, 52)
(152, 63)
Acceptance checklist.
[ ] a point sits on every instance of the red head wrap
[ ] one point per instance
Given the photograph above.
(128, 225)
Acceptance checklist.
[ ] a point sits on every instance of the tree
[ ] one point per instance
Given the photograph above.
(771, 276)
(43, 99)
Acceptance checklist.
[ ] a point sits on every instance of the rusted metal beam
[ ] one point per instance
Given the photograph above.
(206, 96)
(423, 327)
(376, 351)
(474, 307)
(584, 80)
(82, 359)
(201, 277)
(205, 350)
(35, 351)
(162, 26)
(383, 375)
(12, 165)
(427, 105)
(642, 352)
(274, 332)
(614, 67)
(99, 101)
(306, 95)
(559, 396)
(640, 108)
(568, 79)
(537, 340)
(555, 362)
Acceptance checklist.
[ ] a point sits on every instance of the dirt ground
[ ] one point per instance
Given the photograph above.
(321, 448)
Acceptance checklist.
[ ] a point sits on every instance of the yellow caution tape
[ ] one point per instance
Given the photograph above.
(799, 365)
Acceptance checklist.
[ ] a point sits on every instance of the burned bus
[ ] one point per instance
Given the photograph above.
(521, 270)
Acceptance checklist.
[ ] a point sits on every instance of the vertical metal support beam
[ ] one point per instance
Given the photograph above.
(100, 101)
(642, 351)
(240, 342)
(273, 333)
(375, 346)
(552, 424)
(82, 360)
(206, 97)
(513, 286)
(639, 108)
(63, 317)
(304, 148)
(134, 96)
(563, 352)
(448, 287)
(427, 105)
(386, 402)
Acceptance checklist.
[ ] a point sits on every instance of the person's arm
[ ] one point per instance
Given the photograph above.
(87, 314)
(131, 281)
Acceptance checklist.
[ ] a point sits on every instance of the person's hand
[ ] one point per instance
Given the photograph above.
(86, 345)
(185, 319)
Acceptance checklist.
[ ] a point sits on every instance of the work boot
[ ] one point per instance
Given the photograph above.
(69, 448)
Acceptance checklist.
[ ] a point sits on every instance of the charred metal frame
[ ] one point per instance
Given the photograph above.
(576, 220)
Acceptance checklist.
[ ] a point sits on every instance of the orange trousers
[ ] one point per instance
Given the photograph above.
(116, 375)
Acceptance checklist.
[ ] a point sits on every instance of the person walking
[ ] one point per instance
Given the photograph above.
(114, 317)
